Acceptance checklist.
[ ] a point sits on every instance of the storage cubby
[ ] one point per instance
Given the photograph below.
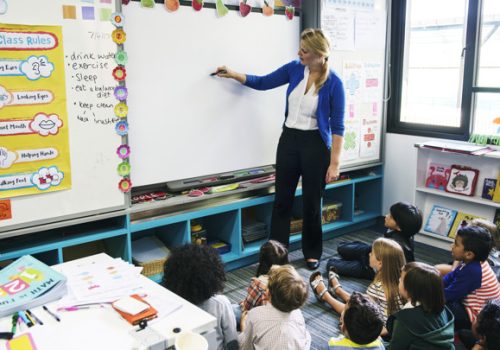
(224, 227)
(342, 194)
(115, 246)
(50, 257)
(172, 235)
(367, 199)
(260, 213)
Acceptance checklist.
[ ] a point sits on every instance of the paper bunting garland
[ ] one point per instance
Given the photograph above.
(123, 151)
(119, 36)
(121, 128)
(125, 2)
(172, 5)
(117, 19)
(125, 185)
(245, 8)
(222, 10)
(289, 12)
(119, 73)
(121, 93)
(267, 9)
(121, 57)
(121, 110)
(148, 3)
(124, 169)
(197, 5)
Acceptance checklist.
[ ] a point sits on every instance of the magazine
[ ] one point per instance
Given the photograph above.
(27, 283)
(462, 219)
(440, 220)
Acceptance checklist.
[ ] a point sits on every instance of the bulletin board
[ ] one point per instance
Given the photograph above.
(57, 127)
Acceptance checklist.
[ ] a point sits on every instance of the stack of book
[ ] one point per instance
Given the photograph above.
(27, 283)
(253, 231)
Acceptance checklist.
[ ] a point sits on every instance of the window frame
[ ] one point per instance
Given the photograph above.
(398, 32)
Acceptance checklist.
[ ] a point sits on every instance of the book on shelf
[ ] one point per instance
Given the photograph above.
(496, 194)
(466, 148)
(461, 220)
(440, 220)
(27, 283)
(437, 176)
(489, 188)
(496, 219)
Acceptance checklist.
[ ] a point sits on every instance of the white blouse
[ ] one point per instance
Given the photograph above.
(302, 106)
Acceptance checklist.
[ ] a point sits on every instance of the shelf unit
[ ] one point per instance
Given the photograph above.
(222, 217)
(425, 197)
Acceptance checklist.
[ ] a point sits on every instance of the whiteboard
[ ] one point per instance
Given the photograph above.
(184, 123)
(357, 31)
(91, 135)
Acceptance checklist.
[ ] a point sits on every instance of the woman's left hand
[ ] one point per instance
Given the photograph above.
(332, 173)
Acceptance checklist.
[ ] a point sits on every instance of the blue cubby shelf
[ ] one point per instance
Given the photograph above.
(223, 220)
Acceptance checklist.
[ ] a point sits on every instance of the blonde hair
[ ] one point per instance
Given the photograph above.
(391, 255)
(287, 289)
(491, 227)
(317, 42)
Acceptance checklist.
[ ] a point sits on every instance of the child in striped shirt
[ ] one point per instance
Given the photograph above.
(387, 259)
(472, 283)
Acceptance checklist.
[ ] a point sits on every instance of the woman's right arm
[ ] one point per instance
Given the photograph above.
(270, 81)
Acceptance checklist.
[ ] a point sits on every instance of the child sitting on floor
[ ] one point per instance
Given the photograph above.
(196, 273)
(485, 332)
(403, 222)
(470, 284)
(278, 325)
(387, 259)
(424, 322)
(361, 323)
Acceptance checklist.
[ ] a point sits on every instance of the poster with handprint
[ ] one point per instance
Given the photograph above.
(34, 152)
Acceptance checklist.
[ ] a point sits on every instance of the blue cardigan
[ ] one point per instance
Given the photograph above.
(331, 99)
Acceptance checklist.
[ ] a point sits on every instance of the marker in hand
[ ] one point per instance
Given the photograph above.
(223, 71)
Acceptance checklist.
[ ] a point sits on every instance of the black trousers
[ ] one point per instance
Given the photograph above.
(300, 153)
(355, 260)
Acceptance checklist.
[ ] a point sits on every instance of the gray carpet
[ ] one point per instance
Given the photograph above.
(322, 321)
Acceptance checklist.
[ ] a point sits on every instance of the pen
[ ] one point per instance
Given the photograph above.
(223, 71)
(52, 314)
(15, 317)
(25, 319)
(76, 308)
(32, 315)
(28, 315)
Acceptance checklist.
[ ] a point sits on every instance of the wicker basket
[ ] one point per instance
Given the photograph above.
(156, 265)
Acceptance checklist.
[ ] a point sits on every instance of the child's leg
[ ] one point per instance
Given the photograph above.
(462, 320)
(337, 288)
(353, 250)
(353, 268)
(334, 303)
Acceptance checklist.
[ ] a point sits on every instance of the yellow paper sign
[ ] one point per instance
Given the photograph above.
(34, 152)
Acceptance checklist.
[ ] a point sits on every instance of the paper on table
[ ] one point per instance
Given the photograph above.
(130, 305)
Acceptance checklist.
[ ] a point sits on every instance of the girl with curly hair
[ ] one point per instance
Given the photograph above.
(196, 273)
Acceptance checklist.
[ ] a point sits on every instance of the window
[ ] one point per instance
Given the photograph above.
(445, 68)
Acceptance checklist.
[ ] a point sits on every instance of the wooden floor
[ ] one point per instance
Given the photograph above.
(322, 321)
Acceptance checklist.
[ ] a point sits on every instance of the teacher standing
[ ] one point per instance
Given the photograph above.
(311, 140)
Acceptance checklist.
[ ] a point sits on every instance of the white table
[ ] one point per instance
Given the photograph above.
(103, 328)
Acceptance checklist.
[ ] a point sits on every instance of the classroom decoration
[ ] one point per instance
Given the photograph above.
(121, 128)
(221, 9)
(440, 220)
(462, 180)
(289, 12)
(27, 283)
(124, 169)
(148, 3)
(198, 5)
(172, 5)
(489, 186)
(34, 152)
(121, 57)
(119, 36)
(125, 2)
(123, 151)
(245, 8)
(437, 176)
(121, 110)
(267, 9)
(121, 93)
(3, 7)
(119, 73)
(117, 19)
(462, 220)
(125, 185)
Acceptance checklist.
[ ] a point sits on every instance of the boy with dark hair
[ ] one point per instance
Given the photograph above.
(403, 222)
(472, 282)
(278, 325)
(361, 323)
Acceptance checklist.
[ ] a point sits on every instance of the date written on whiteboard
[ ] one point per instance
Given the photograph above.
(99, 35)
